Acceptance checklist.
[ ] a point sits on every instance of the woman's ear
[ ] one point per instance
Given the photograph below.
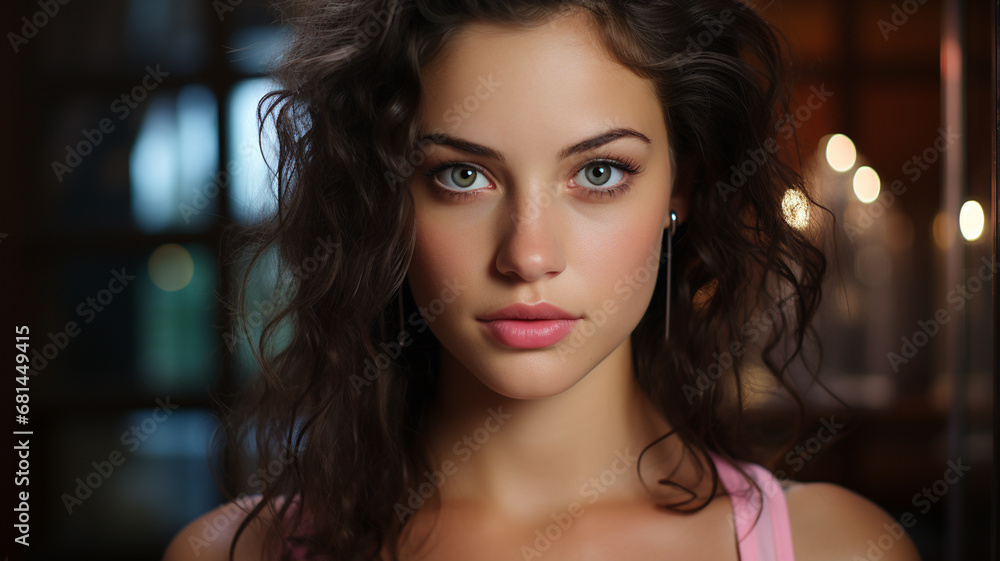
(680, 195)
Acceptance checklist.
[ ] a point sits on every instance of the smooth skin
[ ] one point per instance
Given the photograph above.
(529, 432)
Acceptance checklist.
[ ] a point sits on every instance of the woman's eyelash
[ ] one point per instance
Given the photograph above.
(450, 163)
(626, 164)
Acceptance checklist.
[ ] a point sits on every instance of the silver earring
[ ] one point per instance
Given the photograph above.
(670, 253)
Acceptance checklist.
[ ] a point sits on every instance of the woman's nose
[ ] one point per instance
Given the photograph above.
(532, 237)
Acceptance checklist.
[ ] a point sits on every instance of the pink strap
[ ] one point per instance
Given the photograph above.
(298, 552)
(770, 538)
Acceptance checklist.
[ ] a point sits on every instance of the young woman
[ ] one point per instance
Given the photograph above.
(531, 338)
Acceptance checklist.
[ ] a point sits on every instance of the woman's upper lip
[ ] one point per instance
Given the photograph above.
(542, 310)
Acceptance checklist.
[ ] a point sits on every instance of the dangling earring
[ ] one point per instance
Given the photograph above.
(670, 253)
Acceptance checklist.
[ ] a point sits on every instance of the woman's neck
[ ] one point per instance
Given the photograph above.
(525, 459)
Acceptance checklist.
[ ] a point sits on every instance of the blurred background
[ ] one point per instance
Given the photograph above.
(130, 145)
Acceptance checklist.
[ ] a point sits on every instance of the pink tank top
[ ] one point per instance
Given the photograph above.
(767, 539)
(770, 538)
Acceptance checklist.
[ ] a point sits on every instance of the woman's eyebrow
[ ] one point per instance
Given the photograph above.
(582, 146)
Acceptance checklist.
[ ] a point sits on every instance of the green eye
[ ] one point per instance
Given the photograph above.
(600, 173)
(461, 178)
(464, 177)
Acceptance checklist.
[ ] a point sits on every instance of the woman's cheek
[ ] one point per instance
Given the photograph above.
(440, 273)
(626, 276)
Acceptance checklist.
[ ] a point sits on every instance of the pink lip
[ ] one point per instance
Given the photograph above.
(524, 326)
(542, 310)
(529, 333)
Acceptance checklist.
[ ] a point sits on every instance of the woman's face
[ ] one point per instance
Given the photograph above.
(535, 215)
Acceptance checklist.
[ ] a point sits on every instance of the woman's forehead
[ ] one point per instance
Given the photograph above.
(556, 80)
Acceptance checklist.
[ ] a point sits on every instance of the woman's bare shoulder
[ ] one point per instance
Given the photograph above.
(831, 522)
(208, 537)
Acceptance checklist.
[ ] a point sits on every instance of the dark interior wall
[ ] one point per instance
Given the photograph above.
(121, 405)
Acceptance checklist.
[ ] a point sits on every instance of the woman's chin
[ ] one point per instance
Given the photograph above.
(528, 383)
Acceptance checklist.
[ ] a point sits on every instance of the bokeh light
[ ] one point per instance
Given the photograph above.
(171, 267)
(795, 207)
(971, 220)
(866, 184)
(840, 152)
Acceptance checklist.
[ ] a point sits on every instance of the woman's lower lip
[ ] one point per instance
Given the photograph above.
(529, 333)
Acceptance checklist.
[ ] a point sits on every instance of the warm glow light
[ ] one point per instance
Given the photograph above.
(171, 267)
(840, 152)
(971, 220)
(944, 230)
(866, 184)
(795, 207)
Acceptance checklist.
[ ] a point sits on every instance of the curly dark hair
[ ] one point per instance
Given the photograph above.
(346, 122)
